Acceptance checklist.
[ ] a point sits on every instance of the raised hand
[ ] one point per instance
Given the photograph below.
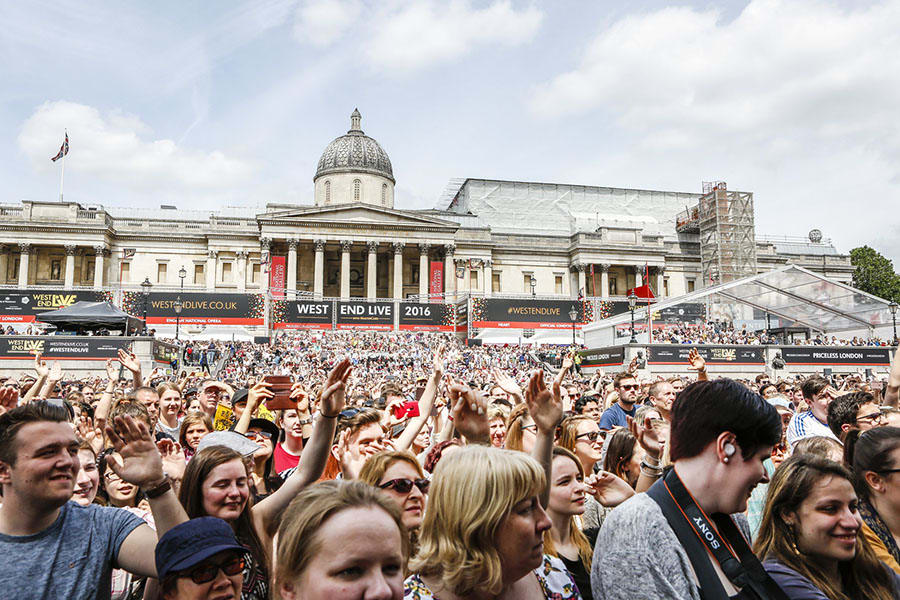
(544, 407)
(469, 414)
(129, 360)
(437, 366)
(112, 371)
(141, 462)
(331, 400)
(646, 436)
(607, 489)
(695, 361)
(632, 366)
(89, 433)
(256, 394)
(9, 399)
(507, 383)
(300, 396)
(173, 458)
(40, 366)
(55, 371)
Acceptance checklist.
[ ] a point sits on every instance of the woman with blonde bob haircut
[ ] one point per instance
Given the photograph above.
(399, 475)
(482, 536)
(340, 540)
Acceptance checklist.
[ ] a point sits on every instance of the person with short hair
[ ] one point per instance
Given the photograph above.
(647, 548)
(62, 549)
(587, 405)
(483, 532)
(497, 415)
(194, 426)
(170, 405)
(340, 539)
(399, 475)
(616, 415)
(856, 410)
(359, 438)
(661, 395)
(818, 394)
(200, 559)
(810, 538)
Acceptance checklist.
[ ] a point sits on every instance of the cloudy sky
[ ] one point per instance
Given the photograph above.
(205, 104)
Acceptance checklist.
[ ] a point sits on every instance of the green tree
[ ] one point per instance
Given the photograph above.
(874, 273)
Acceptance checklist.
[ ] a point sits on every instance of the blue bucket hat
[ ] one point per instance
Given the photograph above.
(190, 543)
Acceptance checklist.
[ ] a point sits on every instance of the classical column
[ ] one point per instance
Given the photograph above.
(449, 273)
(398, 270)
(24, 254)
(242, 270)
(604, 280)
(99, 253)
(371, 271)
(4, 262)
(211, 269)
(345, 268)
(319, 271)
(423, 271)
(582, 280)
(265, 253)
(69, 276)
(638, 277)
(292, 264)
(660, 283)
(488, 276)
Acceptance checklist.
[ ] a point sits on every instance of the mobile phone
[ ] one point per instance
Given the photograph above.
(281, 387)
(407, 409)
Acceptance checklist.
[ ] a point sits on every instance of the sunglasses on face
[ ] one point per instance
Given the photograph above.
(256, 434)
(404, 485)
(629, 386)
(591, 436)
(206, 573)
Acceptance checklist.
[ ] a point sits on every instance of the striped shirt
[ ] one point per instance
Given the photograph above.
(804, 425)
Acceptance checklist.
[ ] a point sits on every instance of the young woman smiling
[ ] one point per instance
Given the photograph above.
(811, 535)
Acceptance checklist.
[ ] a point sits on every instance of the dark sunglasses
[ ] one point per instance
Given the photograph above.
(590, 435)
(206, 573)
(629, 386)
(404, 485)
(253, 434)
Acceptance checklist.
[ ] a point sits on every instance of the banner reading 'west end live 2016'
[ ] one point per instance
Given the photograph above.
(714, 355)
(365, 315)
(302, 314)
(528, 314)
(210, 308)
(62, 347)
(21, 306)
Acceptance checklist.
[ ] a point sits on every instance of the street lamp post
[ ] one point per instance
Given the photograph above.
(182, 273)
(893, 306)
(632, 302)
(533, 283)
(573, 316)
(145, 292)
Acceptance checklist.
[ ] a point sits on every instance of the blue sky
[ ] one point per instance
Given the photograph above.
(205, 104)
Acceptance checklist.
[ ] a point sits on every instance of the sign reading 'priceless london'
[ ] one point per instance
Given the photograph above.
(833, 355)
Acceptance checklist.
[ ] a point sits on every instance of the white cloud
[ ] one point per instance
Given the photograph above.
(409, 35)
(115, 147)
(323, 22)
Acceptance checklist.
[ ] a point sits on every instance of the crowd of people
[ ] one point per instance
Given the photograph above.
(716, 332)
(405, 465)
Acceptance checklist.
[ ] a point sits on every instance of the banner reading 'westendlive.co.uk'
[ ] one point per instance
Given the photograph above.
(210, 308)
(302, 314)
(526, 314)
(62, 347)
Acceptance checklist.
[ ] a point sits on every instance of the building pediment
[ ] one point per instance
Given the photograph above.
(354, 214)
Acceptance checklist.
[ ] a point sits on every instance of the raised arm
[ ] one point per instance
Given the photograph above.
(53, 380)
(314, 456)
(254, 396)
(892, 392)
(697, 363)
(42, 370)
(508, 385)
(130, 362)
(426, 403)
(101, 412)
(545, 408)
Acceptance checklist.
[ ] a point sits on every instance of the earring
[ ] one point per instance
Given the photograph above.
(725, 460)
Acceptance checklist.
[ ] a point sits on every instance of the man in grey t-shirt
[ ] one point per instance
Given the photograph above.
(53, 548)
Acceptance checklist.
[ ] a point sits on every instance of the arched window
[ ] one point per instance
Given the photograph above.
(357, 184)
(327, 192)
(384, 194)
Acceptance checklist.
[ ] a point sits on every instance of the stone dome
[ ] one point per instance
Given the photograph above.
(355, 152)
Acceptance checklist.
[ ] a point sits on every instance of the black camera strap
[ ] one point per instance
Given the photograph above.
(694, 529)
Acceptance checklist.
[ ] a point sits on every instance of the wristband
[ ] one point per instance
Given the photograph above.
(325, 416)
(159, 489)
(305, 421)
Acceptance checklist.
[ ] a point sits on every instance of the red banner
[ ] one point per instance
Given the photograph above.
(277, 277)
(436, 281)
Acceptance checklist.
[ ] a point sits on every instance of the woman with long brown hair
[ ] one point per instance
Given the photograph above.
(811, 536)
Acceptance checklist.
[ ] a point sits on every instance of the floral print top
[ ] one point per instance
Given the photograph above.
(552, 575)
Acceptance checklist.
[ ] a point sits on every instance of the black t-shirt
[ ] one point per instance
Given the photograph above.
(581, 576)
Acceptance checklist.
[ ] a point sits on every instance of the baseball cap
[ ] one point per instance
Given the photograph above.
(190, 543)
(239, 396)
(780, 403)
(229, 439)
(266, 425)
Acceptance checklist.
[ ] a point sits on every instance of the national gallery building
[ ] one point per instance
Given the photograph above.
(483, 237)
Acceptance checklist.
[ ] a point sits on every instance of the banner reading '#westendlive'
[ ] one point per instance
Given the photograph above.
(21, 306)
(62, 347)
(210, 308)
(527, 314)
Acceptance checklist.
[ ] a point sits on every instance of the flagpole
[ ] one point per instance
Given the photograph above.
(62, 175)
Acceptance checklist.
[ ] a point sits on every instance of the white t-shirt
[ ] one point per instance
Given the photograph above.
(804, 425)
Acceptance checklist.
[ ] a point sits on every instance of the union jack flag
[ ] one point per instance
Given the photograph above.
(63, 150)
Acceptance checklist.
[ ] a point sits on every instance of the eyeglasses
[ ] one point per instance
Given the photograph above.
(256, 434)
(871, 416)
(206, 573)
(629, 386)
(590, 435)
(404, 485)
